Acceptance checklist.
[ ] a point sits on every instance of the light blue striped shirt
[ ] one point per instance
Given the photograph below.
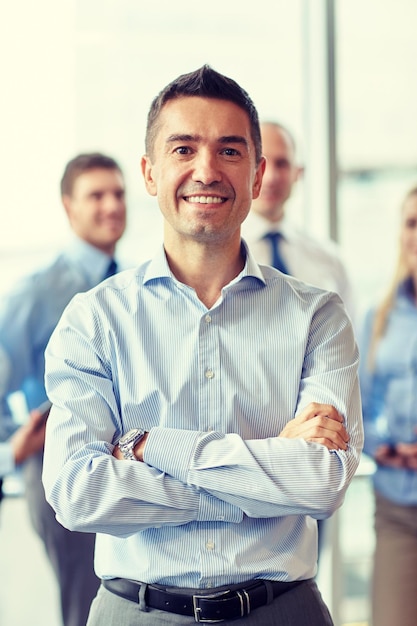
(220, 498)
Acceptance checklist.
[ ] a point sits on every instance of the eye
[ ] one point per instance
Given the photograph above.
(282, 164)
(183, 150)
(230, 152)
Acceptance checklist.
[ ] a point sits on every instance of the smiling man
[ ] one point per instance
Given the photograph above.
(204, 407)
(271, 234)
(93, 195)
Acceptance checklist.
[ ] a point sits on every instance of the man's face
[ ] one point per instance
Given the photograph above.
(203, 168)
(96, 208)
(281, 173)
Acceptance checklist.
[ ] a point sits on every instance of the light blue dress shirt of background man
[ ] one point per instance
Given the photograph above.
(29, 314)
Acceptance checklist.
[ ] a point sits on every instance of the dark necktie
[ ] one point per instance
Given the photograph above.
(111, 270)
(277, 261)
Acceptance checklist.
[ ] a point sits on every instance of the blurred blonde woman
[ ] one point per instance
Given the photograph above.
(389, 393)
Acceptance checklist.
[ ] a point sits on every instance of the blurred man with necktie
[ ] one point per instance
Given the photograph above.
(93, 196)
(269, 233)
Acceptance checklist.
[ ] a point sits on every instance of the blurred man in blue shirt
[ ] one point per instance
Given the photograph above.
(93, 195)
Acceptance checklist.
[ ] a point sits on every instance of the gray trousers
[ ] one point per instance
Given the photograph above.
(394, 593)
(71, 554)
(300, 606)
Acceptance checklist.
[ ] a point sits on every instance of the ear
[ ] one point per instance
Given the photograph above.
(66, 201)
(299, 172)
(147, 168)
(256, 187)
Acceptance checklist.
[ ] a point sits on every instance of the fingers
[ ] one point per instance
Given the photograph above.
(314, 409)
(328, 443)
(408, 454)
(319, 429)
(386, 455)
(332, 439)
(407, 449)
(117, 453)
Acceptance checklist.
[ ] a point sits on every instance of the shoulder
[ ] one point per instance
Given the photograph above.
(42, 278)
(124, 287)
(294, 292)
(322, 248)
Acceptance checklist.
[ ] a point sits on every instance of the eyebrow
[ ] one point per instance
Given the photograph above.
(227, 139)
(180, 137)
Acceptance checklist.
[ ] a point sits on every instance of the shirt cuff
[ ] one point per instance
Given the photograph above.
(170, 450)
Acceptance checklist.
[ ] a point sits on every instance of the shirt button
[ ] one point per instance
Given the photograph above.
(208, 318)
(209, 374)
(210, 545)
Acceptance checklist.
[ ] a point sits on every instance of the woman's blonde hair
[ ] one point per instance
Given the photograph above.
(402, 272)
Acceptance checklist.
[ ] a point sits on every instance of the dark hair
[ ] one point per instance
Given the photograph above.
(83, 163)
(207, 83)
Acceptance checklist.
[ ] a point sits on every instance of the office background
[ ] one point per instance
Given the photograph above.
(79, 75)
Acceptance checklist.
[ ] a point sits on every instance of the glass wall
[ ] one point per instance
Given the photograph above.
(377, 133)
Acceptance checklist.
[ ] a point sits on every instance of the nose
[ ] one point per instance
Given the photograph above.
(271, 175)
(114, 201)
(206, 168)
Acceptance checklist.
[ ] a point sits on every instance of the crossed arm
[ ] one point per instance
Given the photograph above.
(318, 423)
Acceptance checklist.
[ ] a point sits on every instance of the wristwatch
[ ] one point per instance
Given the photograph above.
(128, 442)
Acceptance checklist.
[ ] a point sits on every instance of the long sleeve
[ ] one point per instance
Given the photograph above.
(84, 423)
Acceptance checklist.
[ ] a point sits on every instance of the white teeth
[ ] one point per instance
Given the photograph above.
(205, 199)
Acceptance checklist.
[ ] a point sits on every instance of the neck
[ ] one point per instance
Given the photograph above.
(205, 268)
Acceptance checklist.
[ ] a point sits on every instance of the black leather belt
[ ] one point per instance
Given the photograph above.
(204, 607)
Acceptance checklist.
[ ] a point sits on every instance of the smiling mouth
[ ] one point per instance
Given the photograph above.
(205, 199)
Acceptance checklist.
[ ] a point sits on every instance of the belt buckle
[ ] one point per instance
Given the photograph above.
(243, 598)
(197, 608)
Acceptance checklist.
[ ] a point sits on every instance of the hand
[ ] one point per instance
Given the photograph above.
(319, 423)
(29, 438)
(408, 453)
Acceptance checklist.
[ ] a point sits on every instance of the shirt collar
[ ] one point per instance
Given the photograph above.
(258, 226)
(91, 261)
(158, 267)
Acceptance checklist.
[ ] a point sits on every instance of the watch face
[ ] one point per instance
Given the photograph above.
(129, 441)
(129, 435)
